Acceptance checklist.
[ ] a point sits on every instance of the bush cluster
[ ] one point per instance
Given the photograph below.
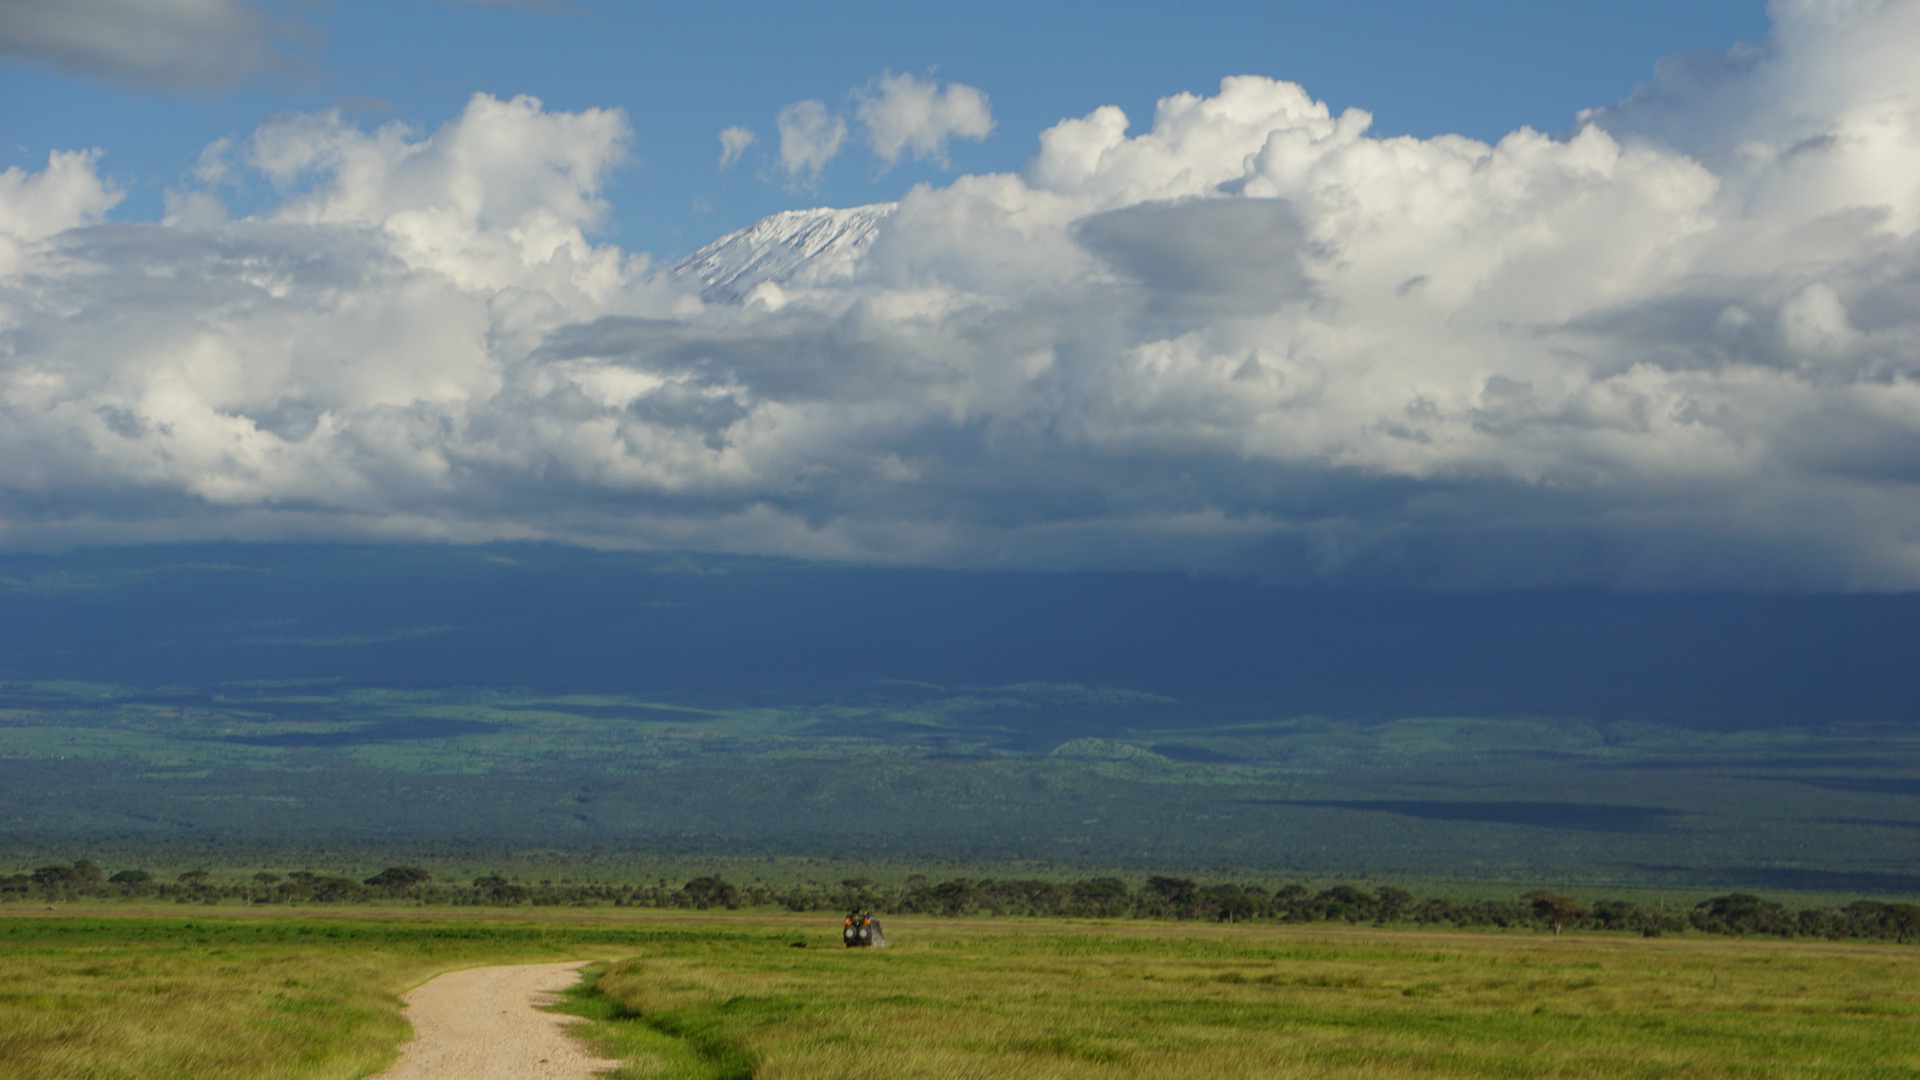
(1103, 897)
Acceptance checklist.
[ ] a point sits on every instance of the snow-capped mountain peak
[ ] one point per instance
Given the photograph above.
(794, 247)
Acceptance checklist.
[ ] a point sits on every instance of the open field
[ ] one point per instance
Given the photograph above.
(295, 995)
(1070, 775)
(148, 995)
(1216, 1002)
(526, 697)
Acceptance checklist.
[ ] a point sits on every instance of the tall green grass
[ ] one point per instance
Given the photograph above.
(685, 996)
(264, 997)
(1010, 1001)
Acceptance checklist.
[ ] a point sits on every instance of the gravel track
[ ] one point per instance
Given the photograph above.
(483, 1024)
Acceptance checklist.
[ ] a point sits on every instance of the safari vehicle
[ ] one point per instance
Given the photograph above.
(862, 931)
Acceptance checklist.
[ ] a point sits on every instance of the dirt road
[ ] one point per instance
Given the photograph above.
(481, 1024)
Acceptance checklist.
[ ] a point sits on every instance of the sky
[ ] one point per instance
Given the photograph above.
(684, 74)
(1457, 296)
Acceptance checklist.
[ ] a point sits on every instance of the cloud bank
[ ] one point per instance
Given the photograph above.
(1679, 347)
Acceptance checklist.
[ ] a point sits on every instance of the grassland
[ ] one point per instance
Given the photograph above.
(1213, 1002)
(1075, 776)
(699, 997)
(141, 997)
(530, 697)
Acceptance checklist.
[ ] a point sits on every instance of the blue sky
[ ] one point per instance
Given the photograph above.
(684, 72)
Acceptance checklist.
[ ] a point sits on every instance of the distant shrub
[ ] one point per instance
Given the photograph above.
(399, 878)
(1160, 897)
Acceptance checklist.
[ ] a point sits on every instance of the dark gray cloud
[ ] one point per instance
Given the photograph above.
(170, 44)
(1205, 258)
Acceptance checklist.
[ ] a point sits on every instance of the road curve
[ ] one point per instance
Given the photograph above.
(483, 1024)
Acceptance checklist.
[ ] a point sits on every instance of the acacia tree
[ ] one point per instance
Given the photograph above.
(706, 892)
(1904, 919)
(1177, 893)
(59, 880)
(1237, 905)
(399, 879)
(1556, 909)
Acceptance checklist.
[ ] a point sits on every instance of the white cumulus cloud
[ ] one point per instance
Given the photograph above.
(733, 143)
(810, 136)
(67, 194)
(1679, 347)
(904, 114)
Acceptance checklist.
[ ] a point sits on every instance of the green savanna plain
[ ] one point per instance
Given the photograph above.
(119, 992)
(1070, 776)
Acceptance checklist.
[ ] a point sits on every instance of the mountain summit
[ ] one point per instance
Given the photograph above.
(799, 247)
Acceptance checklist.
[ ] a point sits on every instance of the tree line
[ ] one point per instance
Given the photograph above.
(1161, 897)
